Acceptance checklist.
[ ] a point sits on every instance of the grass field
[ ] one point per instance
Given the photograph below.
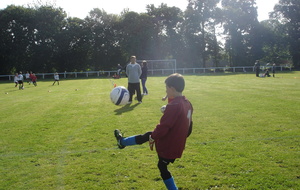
(246, 135)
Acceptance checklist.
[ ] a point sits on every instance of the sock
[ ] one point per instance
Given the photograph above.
(128, 141)
(170, 184)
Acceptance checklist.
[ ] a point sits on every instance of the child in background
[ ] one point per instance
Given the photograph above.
(56, 79)
(16, 79)
(34, 79)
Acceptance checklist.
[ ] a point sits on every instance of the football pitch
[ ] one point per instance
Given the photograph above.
(246, 135)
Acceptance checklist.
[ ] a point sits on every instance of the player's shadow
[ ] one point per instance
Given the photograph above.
(126, 108)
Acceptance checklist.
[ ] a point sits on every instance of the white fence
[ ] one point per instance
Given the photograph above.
(153, 72)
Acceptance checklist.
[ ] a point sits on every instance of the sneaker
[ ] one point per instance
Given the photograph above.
(129, 102)
(119, 136)
(140, 102)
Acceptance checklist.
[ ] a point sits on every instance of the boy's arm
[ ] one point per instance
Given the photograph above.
(151, 142)
(191, 124)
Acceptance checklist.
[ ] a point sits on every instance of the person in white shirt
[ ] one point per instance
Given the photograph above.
(27, 76)
(56, 79)
(16, 79)
(20, 81)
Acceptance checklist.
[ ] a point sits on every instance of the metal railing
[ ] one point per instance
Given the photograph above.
(151, 72)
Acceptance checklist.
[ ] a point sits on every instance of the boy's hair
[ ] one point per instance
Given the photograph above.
(176, 81)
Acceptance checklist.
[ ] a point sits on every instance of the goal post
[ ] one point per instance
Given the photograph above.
(161, 67)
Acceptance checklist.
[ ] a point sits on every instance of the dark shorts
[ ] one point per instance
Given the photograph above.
(20, 82)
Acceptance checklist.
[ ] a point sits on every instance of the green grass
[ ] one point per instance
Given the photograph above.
(246, 135)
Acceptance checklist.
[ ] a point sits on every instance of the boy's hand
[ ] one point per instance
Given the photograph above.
(151, 142)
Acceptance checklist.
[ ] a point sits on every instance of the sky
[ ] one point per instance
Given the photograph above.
(80, 9)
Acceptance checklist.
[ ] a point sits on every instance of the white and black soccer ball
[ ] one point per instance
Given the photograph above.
(119, 96)
(163, 108)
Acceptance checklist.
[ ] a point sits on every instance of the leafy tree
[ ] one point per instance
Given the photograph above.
(200, 31)
(105, 45)
(137, 35)
(73, 46)
(167, 23)
(288, 13)
(48, 23)
(241, 25)
(275, 41)
(15, 38)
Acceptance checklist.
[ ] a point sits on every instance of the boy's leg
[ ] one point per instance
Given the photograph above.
(140, 139)
(129, 141)
(165, 174)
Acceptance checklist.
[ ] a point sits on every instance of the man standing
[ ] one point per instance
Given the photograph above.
(134, 71)
(257, 67)
(273, 69)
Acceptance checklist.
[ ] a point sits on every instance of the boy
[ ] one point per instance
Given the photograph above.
(170, 134)
(16, 79)
(56, 78)
(34, 79)
(20, 81)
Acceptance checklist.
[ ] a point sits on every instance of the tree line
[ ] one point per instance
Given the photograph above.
(42, 38)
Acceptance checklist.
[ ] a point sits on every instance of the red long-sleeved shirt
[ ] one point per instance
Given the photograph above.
(171, 133)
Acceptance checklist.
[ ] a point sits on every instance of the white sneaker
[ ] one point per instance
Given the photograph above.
(129, 102)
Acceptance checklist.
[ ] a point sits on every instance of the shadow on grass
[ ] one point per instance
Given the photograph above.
(126, 108)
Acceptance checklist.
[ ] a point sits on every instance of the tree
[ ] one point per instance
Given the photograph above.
(48, 23)
(15, 38)
(167, 22)
(288, 13)
(275, 41)
(105, 45)
(73, 46)
(243, 43)
(200, 31)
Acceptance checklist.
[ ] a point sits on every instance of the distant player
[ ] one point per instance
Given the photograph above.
(20, 81)
(34, 79)
(27, 76)
(169, 136)
(16, 78)
(257, 68)
(56, 79)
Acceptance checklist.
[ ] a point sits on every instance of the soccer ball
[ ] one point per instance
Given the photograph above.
(119, 95)
(163, 108)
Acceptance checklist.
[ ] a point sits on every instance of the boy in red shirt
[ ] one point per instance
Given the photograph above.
(33, 79)
(170, 134)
